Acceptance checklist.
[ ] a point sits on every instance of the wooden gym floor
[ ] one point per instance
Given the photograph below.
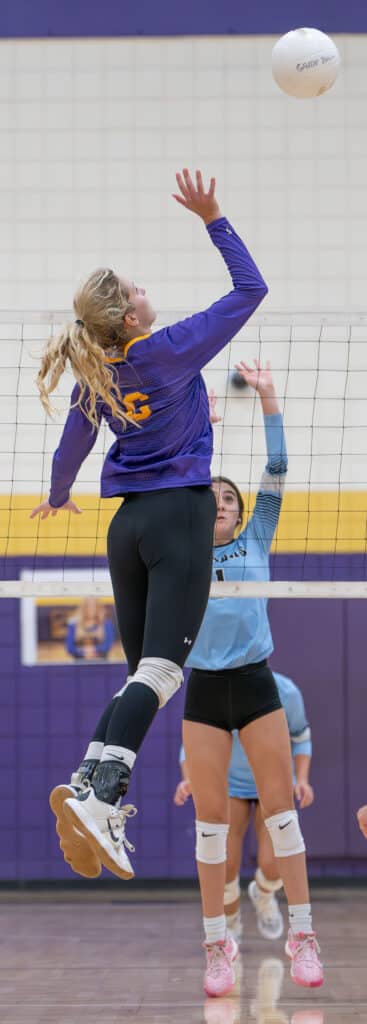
(84, 957)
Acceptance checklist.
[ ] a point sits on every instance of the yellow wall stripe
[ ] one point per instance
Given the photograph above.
(320, 521)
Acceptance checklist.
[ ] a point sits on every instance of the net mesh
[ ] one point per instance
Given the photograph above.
(319, 363)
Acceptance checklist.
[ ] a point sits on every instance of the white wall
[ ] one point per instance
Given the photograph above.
(91, 135)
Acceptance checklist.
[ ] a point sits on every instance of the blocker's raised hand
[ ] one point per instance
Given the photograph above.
(259, 378)
(193, 196)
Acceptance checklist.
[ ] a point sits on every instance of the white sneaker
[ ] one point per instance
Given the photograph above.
(76, 850)
(269, 919)
(103, 825)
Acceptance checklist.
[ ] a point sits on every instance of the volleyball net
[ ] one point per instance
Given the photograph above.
(319, 365)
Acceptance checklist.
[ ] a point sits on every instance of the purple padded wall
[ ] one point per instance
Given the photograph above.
(164, 18)
(47, 714)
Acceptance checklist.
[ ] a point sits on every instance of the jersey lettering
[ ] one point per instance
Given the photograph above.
(134, 408)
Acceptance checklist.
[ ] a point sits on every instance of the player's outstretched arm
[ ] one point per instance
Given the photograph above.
(264, 519)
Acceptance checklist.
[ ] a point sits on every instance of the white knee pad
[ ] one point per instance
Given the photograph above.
(285, 834)
(266, 883)
(232, 891)
(211, 842)
(163, 677)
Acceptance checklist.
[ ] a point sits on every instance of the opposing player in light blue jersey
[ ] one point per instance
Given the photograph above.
(147, 385)
(243, 798)
(231, 687)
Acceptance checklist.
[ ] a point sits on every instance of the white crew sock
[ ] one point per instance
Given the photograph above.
(300, 918)
(122, 754)
(94, 751)
(214, 928)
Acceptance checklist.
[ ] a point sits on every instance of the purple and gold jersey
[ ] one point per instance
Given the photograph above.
(169, 443)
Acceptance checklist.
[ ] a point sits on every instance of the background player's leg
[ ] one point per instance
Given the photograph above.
(266, 883)
(239, 819)
(265, 853)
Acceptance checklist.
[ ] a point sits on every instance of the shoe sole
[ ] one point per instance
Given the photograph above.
(84, 824)
(77, 853)
(218, 995)
(296, 981)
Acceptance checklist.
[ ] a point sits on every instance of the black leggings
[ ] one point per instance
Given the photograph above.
(160, 549)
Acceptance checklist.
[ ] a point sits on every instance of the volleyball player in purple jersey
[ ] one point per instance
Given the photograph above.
(147, 385)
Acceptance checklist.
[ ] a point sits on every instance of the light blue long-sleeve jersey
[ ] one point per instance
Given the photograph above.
(241, 782)
(236, 631)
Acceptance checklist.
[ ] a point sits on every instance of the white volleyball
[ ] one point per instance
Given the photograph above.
(305, 62)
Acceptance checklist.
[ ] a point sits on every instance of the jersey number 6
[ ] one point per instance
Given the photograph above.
(134, 408)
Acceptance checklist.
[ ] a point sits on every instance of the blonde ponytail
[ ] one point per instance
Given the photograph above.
(100, 306)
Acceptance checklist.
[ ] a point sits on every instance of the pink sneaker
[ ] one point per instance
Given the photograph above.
(306, 968)
(220, 977)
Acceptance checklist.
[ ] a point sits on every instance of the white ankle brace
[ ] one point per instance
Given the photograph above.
(232, 891)
(266, 884)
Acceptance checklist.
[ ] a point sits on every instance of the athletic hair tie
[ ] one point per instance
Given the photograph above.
(80, 323)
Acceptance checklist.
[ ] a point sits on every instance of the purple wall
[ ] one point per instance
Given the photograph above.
(48, 712)
(40, 18)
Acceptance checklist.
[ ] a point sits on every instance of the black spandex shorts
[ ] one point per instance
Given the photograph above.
(232, 698)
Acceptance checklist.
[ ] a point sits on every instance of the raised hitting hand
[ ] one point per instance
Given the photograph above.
(193, 196)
